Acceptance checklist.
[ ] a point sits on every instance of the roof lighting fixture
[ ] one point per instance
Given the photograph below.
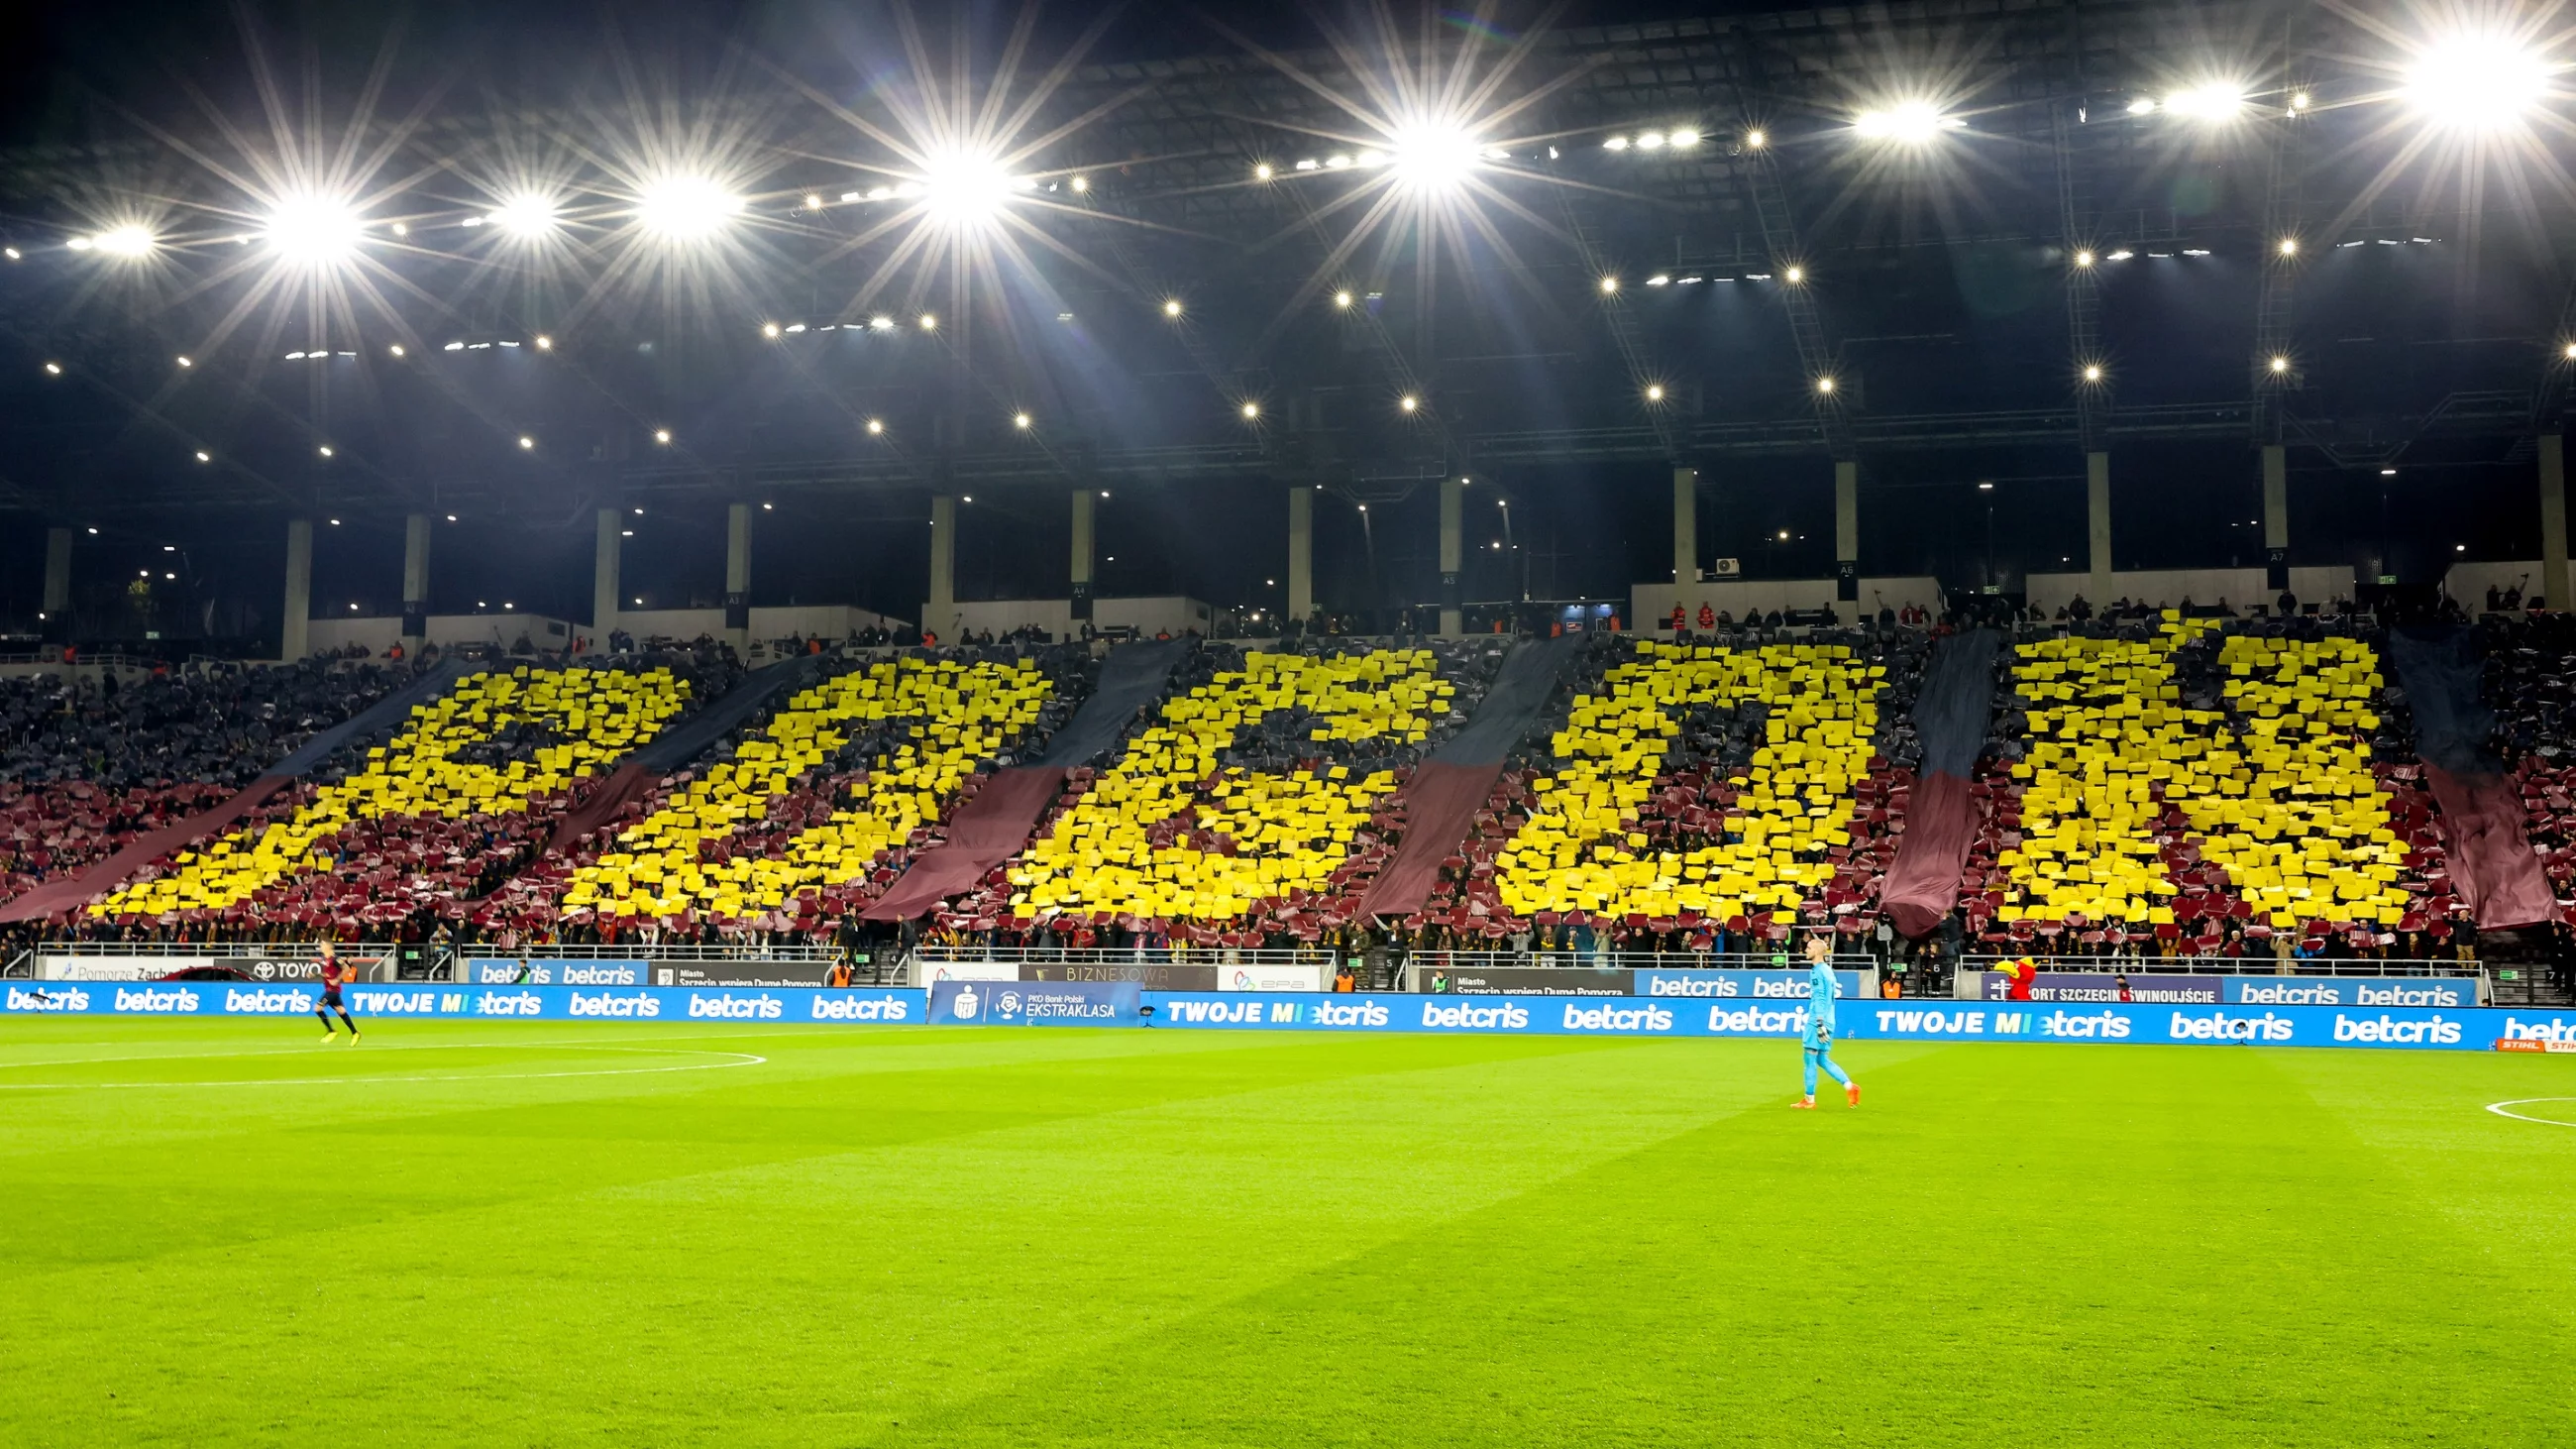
(1261, 172)
(1251, 410)
(1409, 403)
(2280, 364)
(1756, 139)
(1825, 386)
(526, 442)
(524, 215)
(2475, 82)
(1909, 122)
(1171, 306)
(545, 343)
(1654, 392)
(325, 451)
(769, 329)
(204, 457)
(2092, 372)
(313, 230)
(876, 427)
(929, 323)
(2212, 102)
(2084, 256)
(1020, 421)
(686, 208)
(53, 369)
(1609, 285)
(662, 436)
(1342, 299)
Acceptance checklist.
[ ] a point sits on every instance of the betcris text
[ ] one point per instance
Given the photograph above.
(827, 1006)
(47, 998)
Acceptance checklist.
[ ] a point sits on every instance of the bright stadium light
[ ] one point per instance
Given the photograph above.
(2213, 101)
(876, 427)
(1342, 299)
(2279, 364)
(1251, 411)
(1756, 139)
(2084, 257)
(964, 188)
(662, 436)
(1825, 386)
(119, 241)
(1171, 306)
(2289, 246)
(1609, 286)
(1654, 392)
(1429, 156)
(1020, 421)
(313, 230)
(1408, 402)
(1912, 122)
(686, 208)
(524, 215)
(2092, 372)
(2475, 82)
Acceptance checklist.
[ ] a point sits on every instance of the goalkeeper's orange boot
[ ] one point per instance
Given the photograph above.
(1851, 1093)
(1804, 1104)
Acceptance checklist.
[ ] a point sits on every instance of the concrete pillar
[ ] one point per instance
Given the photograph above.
(415, 613)
(605, 581)
(2097, 527)
(58, 586)
(2553, 518)
(939, 614)
(1846, 530)
(737, 599)
(1301, 552)
(2276, 517)
(1453, 548)
(295, 624)
(1685, 525)
(1083, 554)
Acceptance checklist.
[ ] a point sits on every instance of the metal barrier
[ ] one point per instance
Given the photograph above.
(2236, 965)
(1176, 954)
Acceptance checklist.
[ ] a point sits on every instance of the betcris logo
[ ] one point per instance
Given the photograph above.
(2435, 1030)
(825, 1007)
(609, 1003)
(2086, 1025)
(517, 1003)
(43, 999)
(2556, 1028)
(2220, 1026)
(725, 1006)
(2410, 993)
(506, 973)
(1756, 1021)
(2312, 993)
(1338, 1013)
(156, 1002)
(600, 973)
(1618, 1018)
(268, 1001)
(1511, 1017)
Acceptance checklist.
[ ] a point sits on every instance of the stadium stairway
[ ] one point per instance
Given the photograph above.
(387, 713)
(674, 748)
(998, 822)
(2497, 873)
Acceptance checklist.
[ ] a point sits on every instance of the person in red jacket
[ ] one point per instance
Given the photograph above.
(333, 975)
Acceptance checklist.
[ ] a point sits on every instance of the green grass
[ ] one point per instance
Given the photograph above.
(1012, 1237)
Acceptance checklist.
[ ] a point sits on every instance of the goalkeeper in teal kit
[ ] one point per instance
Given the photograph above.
(1819, 1042)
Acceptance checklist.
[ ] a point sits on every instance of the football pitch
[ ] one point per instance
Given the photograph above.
(224, 1232)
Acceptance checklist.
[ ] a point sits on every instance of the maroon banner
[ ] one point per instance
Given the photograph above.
(105, 876)
(986, 831)
(2496, 871)
(1923, 881)
(628, 781)
(1440, 806)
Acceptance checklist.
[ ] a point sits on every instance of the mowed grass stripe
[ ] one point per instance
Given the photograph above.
(915, 1259)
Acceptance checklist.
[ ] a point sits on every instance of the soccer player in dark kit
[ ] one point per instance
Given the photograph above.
(333, 974)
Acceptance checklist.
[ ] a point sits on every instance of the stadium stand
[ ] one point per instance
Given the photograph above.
(1249, 803)
(87, 768)
(814, 811)
(396, 836)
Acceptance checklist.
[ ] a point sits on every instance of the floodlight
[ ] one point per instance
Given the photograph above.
(1609, 285)
(1650, 141)
(2475, 82)
(1262, 172)
(1434, 157)
(963, 188)
(324, 450)
(205, 457)
(1912, 122)
(2289, 246)
(2280, 363)
(1825, 386)
(1654, 392)
(1081, 184)
(662, 436)
(1615, 143)
(813, 201)
(526, 442)
(396, 349)
(1682, 138)
(2213, 101)
(1756, 139)
(312, 230)
(186, 361)
(686, 208)
(2142, 106)
(526, 215)
(544, 343)
(1251, 410)
(2299, 102)
(1794, 275)
(2092, 372)
(1408, 402)
(1341, 299)
(53, 369)
(1020, 421)
(1171, 306)
(881, 324)
(929, 323)
(2084, 257)
(2569, 352)
(876, 427)
(769, 329)
(122, 241)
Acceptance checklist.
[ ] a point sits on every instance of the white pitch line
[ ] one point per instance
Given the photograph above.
(2498, 1108)
(740, 1059)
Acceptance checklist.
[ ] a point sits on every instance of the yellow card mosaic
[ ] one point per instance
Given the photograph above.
(2288, 805)
(962, 715)
(593, 716)
(1289, 830)
(1582, 849)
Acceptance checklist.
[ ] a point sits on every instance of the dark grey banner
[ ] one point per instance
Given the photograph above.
(1526, 980)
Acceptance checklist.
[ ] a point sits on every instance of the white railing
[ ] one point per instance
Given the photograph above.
(1426, 958)
(2265, 965)
(1179, 953)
